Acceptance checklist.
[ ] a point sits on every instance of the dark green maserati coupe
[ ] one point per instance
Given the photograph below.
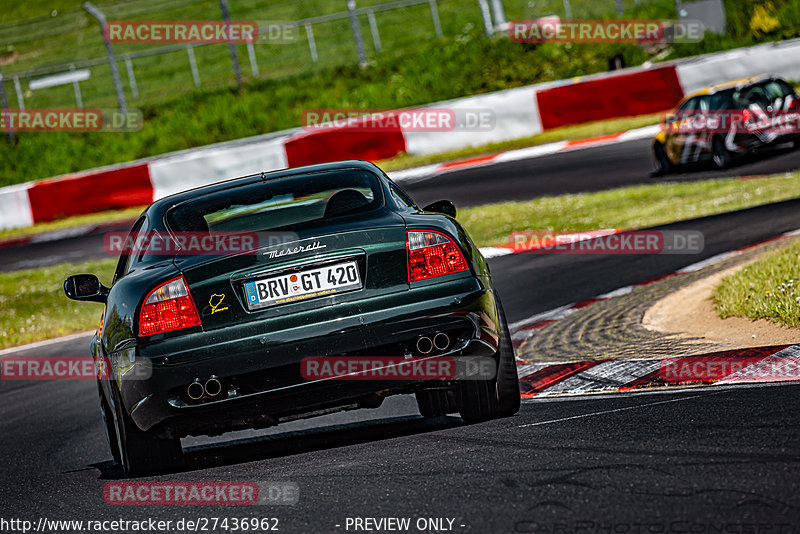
(224, 293)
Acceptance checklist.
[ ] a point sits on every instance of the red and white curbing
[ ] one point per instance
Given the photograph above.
(522, 330)
(430, 171)
(518, 248)
(759, 364)
(750, 365)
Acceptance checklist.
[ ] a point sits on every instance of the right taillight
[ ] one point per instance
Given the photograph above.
(432, 254)
(168, 307)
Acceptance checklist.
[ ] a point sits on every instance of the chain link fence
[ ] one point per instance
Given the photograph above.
(60, 60)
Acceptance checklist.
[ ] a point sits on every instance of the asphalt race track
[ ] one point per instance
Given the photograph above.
(585, 169)
(695, 461)
(701, 457)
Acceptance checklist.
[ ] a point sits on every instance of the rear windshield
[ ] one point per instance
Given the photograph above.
(282, 203)
(763, 94)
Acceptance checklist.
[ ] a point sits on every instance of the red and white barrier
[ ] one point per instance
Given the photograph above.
(515, 115)
(195, 168)
(641, 92)
(779, 58)
(518, 112)
(15, 207)
(748, 365)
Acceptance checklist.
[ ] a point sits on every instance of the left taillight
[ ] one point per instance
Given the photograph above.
(168, 307)
(432, 254)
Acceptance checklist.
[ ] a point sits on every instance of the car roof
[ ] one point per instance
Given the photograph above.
(161, 205)
(732, 84)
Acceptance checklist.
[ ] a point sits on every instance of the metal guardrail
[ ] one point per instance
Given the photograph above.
(490, 12)
(300, 23)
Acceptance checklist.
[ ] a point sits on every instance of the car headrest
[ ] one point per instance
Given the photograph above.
(191, 221)
(343, 202)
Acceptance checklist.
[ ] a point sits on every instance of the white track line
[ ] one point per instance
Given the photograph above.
(47, 342)
(615, 410)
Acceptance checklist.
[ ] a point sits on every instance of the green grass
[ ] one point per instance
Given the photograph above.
(626, 208)
(767, 289)
(33, 305)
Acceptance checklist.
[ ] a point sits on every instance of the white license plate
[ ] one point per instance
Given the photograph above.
(302, 285)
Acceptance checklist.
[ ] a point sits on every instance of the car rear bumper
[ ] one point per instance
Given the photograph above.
(259, 363)
(747, 142)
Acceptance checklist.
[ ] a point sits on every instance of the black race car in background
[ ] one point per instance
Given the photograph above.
(201, 344)
(727, 120)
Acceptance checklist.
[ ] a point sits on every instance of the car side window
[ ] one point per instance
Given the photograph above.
(126, 259)
(776, 89)
(755, 96)
(779, 94)
(401, 198)
(687, 107)
(721, 100)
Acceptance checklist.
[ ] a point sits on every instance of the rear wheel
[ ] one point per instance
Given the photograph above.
(143, 453)
(720, 155)
(507, 376)
(438, 402)
(499, 396)
(661, 160)
(108, 424)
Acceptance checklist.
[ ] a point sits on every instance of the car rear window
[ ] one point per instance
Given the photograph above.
(280, 203)
(764, 94)
(721, 100)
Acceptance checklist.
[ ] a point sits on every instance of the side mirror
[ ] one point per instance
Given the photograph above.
(85, 287)
(442, 206)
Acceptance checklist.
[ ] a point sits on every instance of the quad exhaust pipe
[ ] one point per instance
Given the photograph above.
(213, 387)
(439, 342)
(197, 389)
(424, 345)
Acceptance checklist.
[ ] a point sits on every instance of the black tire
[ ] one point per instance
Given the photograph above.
(507, 376)
(108, 424)
(720, 155)
(435, 403)
(662, 163)
(142, 453)
(499, 396)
